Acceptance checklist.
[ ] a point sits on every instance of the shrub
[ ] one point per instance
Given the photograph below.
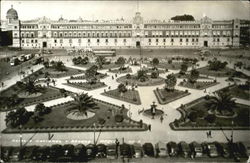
(128, 76)
(193, 116)
(101, 121)
(37, 118)
(210, 118)
(119, 118)
(154, 74)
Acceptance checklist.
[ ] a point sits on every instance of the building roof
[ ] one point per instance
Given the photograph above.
(12, 13)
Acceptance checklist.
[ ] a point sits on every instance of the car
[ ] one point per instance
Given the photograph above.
(148, 149)
(80, 153)
(196, 149)
(111, 151)
(210, 149)
(242, 149)
(29, 153)
(126, 150)
(223, 149)
(56, 151)
(172, 149)
(184, 149)
(161, 149)
(90, 151)
(42, 153)
(234, 151)
(67, 153)
(15, 155)
(101, 151)
(137, 150)
(5, 153)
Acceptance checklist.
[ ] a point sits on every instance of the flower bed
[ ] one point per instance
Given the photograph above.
(83, 77)
(128, 96)
(134, 81)
(241, 120)
(57, 121)
(198, 85)
(164, 96)
(86, 86)
(117, 70)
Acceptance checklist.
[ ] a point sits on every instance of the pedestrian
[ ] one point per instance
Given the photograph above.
(112, 77)
(210, 134)
(161, 118)
(2, 84)
(109, 87)
(117, 143)
(205, 91)
(207, 134)
(149, 127)
(54, 82)
(116, 75)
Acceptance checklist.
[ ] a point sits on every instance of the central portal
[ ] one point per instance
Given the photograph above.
(138, 43)
(205, 44)
(44, 44)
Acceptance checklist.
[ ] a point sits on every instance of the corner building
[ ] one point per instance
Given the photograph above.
(46, 33)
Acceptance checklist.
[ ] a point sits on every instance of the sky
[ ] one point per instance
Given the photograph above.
(93, 10)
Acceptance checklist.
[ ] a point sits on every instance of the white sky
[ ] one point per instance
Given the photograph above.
(218, 10)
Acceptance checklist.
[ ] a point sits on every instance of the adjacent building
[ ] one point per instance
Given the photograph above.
(62, 33)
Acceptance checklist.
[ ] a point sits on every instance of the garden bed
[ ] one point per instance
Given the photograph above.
(130, 96)
(134, 81)
(86, 86)
(198, 84)
(105, 66)
(172, 66)
(117, 70)
(83, 77)
(225, 72)
(237, 92)
(163, 96)
(47, 94)
(241, 121)
(57, 121)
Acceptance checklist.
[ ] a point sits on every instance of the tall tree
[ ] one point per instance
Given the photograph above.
(91, 74)
(121, 61)
(184, 68)
(100, 60)
(221, 102)
(155, 62)
(170, 82)
(194, 75)
(83, 103)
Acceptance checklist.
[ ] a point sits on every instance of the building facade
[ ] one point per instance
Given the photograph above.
(46, 33)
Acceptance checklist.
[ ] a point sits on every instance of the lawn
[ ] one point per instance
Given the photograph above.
(104, 66)
(134, 81)
(237, 92)
(55, 74)
(187, 76)
(226, 72)
(83, 77)
(198, 84)
(173, 66)
(164, 96)
(57, 121)
(241, 121)
(48, 93)
(130, 96)
(117, 70)
(86, 86)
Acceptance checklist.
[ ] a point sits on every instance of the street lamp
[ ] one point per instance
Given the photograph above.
(20, 136)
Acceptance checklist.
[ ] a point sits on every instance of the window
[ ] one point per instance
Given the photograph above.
(15, 27)
(79, 40)
(97, 40)
(149, 40)
(218, 39)
(157, 40)
(106, 40)
(186, 39)
(172, 40)
(192, 40)
(115, 40)
(32, 41)
(197, 40)
(124, 40)
(164, 40)
(35, 41)
(88, 40)
(181, 40)
(228, 39)
(61, 41)
(55, 41)
(32, 35)
(22, 41)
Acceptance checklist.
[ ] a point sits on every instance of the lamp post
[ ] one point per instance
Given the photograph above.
(94, 133)
(20, 136)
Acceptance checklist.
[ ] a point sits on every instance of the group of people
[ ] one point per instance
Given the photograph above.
(209, 134)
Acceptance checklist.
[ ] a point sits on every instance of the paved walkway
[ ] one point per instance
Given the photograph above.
(160, 131)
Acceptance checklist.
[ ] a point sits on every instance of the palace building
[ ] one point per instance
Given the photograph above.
(46, 33)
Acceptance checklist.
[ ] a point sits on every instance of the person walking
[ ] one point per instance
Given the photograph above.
(161, 118)
(117, 143)
(210, 134)
(149, 127)
(2, 83)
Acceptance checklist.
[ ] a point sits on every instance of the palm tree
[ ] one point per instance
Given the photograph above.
(100, 60)
(30, 86)
(222, 102)
(155, 62)
(91, 74)
(83, 103)
(121, 61)
(170, 82)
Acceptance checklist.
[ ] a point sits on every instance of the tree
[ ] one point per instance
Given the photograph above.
(155, 62)
(122, 88)
(121, 61)
(31, 87)
(155, 74)
(83, 103)
(58, 66)
(184, 68)
(193, 116)
(170, 82)
(46, 64)
(183, 18)
(91, 74)
(41, 109)
(141, 74)
(210, 118)
(194, 75)
(100, 60)
(216, 65)
(18, 117)
(10, 101)
(221, 102)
